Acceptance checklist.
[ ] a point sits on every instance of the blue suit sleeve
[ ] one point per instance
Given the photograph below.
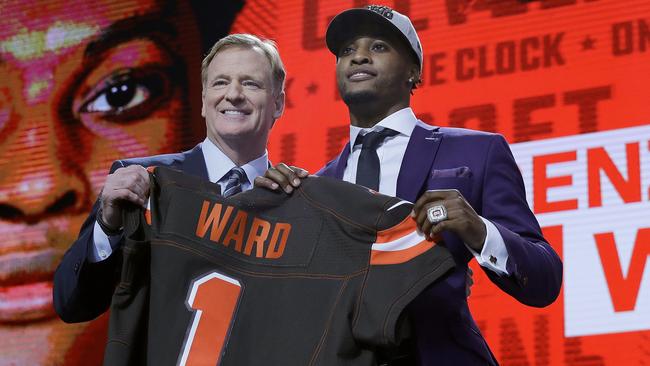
(535, 268)
(83, 290)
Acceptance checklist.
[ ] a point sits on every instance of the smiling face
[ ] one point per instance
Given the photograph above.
(240, 101)
(81, 84)
(374, 69)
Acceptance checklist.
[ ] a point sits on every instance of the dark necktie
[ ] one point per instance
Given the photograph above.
(368, 167)
(236, 177)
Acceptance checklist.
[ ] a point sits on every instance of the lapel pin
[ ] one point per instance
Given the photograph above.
(434, 137)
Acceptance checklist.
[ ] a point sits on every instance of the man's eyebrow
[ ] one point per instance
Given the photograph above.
(239, 76)
(139, 26)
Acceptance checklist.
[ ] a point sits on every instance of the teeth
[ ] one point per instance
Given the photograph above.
(233, 112)
(359, 74)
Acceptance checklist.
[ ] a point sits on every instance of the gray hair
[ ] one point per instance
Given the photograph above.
(267, 46)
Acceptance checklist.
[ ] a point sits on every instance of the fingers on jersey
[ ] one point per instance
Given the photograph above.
(261, 181)
(434, 195)
(453, 202)
(127, 184)
(284, 176)
(461, 217)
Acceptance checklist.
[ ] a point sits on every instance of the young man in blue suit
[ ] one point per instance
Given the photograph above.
(465, 184)
(243, 95)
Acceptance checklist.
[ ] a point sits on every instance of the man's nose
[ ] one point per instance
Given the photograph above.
(361, 56)
(38, 174)
(235, 93)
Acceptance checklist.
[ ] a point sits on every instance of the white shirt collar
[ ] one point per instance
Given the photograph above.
(218, 164)
(402, 121)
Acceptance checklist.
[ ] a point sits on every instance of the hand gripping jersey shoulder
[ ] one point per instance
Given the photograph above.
(319, 277)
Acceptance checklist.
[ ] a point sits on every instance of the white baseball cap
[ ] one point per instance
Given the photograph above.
(381, 17)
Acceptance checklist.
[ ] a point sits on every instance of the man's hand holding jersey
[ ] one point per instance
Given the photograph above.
(283, 176)
(461, 218)
(128, 184)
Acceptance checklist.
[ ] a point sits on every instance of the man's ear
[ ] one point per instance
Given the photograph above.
(203, 103)
(415, 74)
(279, 104)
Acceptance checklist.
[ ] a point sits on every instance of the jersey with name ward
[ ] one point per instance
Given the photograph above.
(319, 277)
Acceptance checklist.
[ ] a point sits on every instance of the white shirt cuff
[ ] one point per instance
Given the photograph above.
(494, 255)
(102, 244)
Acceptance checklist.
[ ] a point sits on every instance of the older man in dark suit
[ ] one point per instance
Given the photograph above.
(243, 94)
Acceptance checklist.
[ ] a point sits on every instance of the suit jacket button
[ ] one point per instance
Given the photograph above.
(76, 267)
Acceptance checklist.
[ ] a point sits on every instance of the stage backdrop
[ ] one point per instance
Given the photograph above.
(82, 84)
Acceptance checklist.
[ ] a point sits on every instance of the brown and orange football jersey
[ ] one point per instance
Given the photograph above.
(319, 277)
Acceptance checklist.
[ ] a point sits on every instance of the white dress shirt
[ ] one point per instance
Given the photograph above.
(218, 166)
(391, 153)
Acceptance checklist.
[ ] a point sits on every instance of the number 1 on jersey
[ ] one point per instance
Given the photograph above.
(213, 298)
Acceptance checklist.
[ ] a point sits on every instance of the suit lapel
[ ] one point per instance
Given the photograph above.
(337, 167)
(194, 163)
(419, 156)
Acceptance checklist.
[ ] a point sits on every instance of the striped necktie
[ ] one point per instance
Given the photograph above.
(236, 177)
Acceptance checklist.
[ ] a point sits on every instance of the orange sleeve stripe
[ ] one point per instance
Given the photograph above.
(407, 226)
(147, 216)
(379, 257)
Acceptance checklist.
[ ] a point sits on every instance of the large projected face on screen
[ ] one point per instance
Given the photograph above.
(82, 84)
